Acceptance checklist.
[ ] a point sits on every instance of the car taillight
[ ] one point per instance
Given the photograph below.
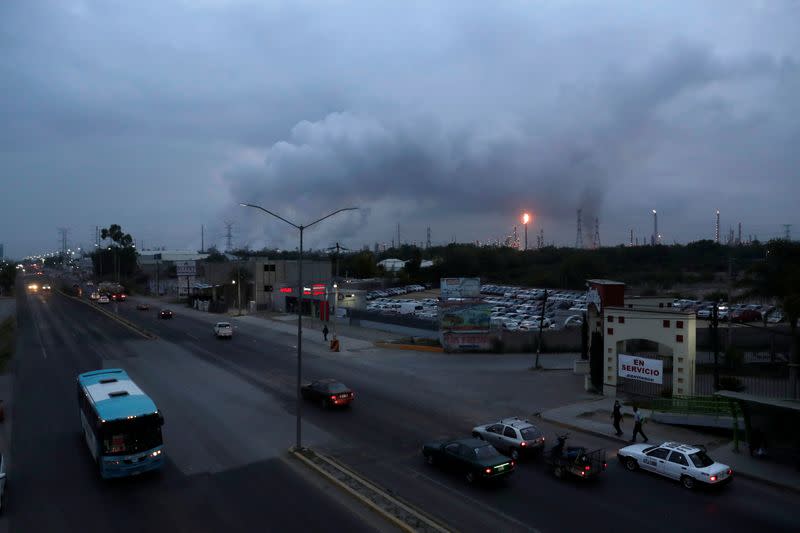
(523, 444)
(730, 471)
(587, 467)
(333, 397)
(713, 478)
(513, 463)
(488, 470)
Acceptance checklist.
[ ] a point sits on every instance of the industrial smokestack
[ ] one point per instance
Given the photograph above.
(655, 228)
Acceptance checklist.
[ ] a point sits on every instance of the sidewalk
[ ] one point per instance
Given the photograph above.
(594, 417)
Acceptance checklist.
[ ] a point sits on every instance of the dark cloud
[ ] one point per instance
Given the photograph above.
(453, 115)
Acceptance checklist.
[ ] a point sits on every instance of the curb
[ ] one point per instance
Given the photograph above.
(413, 347)
(423, 522)
(738, 473)
(130, 325)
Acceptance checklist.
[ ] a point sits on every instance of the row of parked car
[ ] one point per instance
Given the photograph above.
(737, 312)
(427, 308)
(394, 291)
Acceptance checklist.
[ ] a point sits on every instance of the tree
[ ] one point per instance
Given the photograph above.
(8, 276)
(214, 256)
(118, 258)
(778, 277)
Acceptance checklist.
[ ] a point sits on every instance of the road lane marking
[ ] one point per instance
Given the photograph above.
(41, 340)
(192, 336)
(473, 501)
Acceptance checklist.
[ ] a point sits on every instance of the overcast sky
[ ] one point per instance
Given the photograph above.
(162, 115)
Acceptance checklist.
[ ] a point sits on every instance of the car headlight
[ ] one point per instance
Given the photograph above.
(155, 453)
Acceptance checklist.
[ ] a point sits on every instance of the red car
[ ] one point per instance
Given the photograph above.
(119, 297)
(746, 315)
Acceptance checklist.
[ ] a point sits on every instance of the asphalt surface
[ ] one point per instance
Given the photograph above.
(394, 413)
(52, 482)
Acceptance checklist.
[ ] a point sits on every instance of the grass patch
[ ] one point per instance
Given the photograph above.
(7, 341)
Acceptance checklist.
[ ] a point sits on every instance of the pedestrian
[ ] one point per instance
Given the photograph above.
(325, 332)
(638, 419)
(617, 416)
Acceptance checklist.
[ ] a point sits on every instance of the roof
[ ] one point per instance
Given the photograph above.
(516, 422)
(473, 443)
(793, 405)
(114, 395)
(604, 282)
(685, 448)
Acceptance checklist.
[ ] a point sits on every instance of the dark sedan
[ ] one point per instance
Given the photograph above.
(142, 307)
(328, 393)
(473, 458)
(165, 313)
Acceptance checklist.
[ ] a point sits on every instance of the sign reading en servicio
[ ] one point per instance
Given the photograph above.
(641, 368)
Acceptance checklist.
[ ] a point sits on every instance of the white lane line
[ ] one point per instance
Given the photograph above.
(192, 336)
(41, 340)
(473, 501)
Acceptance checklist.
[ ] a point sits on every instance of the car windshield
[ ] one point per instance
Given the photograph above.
(486, 452)
(701, 460)
(530, 433)
(223, 325)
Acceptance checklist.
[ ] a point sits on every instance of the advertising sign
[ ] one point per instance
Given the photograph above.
(465, 317)
(185, 268)
(460, 288)
(453, 342)
(641, 369)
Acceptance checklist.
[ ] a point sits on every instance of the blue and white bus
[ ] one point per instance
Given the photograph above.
(121, 424)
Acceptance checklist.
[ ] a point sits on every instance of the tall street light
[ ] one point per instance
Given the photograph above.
(525, 219)
(299, 303)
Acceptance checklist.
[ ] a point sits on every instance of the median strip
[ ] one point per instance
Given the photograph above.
(127, 323)
(390, 507)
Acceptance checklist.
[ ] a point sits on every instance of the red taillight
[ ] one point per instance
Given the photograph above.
(523, 444)
(333, 397)
(488, 470)
(605, 465)
(713, 478)
(587, 467)
(730, 471)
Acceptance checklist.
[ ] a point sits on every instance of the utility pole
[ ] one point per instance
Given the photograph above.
(202, 238)
(730, 299)
(541, 327)
(715, 341)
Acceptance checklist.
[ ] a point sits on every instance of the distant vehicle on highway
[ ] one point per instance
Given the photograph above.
(328, 393)
(103, 299)
(94, 295)
(473, 458)
(89, 284)
(165, 313)
(33, 287)
(118, 297)
(46, 288)
(121, 424)
(686, 463)
(511, 436)
(141, 306)
(223, 330)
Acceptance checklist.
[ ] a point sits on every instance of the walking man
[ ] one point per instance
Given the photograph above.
(325, 332)
(617, 416)
(637, 424)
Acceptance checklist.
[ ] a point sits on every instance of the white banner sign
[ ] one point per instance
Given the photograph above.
(460, 288)
(641, 369)
(185, 268)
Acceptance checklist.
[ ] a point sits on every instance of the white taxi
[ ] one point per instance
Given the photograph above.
(686, 463)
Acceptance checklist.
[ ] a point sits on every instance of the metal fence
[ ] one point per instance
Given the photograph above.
(764, 373)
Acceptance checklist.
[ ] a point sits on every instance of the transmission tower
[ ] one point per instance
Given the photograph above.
(63, 232)
(787, 231)
(716, 229)
(228, 236)
(428, 242)
(579, 234)
(596, 235)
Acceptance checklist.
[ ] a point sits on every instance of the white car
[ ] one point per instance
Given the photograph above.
(103, 299)
(94, 296)
(511, 436)
(686, 463)
(223, 330)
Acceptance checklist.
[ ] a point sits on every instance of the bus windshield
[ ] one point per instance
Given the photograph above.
(131, 436)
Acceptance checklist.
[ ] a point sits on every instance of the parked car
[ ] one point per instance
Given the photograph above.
(328, 393)
(223, 330)
(746, 315)
(165, 313)
(511, 436)
(473, 458)
(775, 317)
(686, 463)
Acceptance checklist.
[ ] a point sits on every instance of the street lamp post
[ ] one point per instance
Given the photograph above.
(301, 228)
(525, 219)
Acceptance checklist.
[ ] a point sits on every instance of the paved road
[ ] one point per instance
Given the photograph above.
(225, 471)
(398, 408)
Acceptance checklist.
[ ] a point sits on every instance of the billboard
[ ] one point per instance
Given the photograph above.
(460, 288)
(465, 317)
(641, 369)
(185, 268)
